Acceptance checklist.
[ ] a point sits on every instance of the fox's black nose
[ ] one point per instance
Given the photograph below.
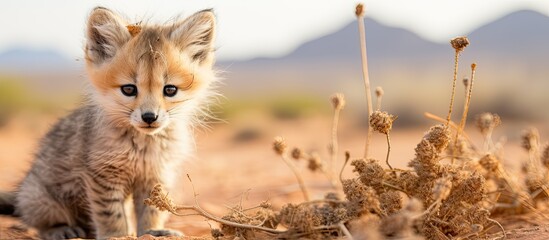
(149, 117)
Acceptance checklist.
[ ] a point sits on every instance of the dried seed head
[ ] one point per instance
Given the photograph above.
(459, 43)
(338, 101)
(265, 204)
(486, 122)
(159, 199)
(391, 202)
(470, 190)
(363, 198)
(314, 163)
(216, 233)
(490, 163)
(545, 156)
(466, 82)
(408, 181)
(382, 121)
(442, 188)
(379, 91)
(370, 172)
(134, 29)
(279, 145)
(473, 66)
(297, 153)
(439, 137)
(530, 139)
(425, 151)
(359, 11)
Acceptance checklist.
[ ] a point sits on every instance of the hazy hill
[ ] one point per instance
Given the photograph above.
(384, 43)
(521, 35)
(26, 59)
(511, 52)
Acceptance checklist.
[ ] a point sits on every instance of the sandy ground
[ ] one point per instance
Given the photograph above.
(227, 172)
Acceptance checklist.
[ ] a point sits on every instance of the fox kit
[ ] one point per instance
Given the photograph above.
(149, 83)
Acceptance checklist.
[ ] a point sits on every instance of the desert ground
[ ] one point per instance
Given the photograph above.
(235, 165)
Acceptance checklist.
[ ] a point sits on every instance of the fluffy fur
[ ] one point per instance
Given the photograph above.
(104, 155)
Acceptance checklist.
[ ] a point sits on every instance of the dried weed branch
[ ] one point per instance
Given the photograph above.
(279, 146)
(160, 199)
(469, 90)
(338, 103)
(459, 45)
(359, 12)
(467, 101)
(461, 200)
(382, 122)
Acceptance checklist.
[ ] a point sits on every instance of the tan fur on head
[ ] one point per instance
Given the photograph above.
(178, 54)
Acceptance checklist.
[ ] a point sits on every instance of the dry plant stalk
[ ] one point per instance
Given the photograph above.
(459, 44)
(359, 12)
(347, 158)
(486, 122)
(468, 99)
(279, 146)
(382, 122)
(469, 89)
(159, 198)
(338, 102)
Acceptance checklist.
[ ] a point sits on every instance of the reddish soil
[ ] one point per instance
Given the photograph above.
(227, 172)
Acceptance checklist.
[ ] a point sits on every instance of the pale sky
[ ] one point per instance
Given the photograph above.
(250, 28)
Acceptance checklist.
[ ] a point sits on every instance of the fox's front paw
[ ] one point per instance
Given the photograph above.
(63, 232)
(164, 232)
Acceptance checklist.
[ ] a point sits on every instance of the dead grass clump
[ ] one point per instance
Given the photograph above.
(439, 137)
(436, 198)
(370, 173)
(361, 199)
(390, 202)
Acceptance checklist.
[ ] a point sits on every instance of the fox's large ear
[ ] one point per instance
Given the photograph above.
(195, 36)
(106, 33)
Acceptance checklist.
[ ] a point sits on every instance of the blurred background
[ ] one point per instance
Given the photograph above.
(280, 62)
(285, 58)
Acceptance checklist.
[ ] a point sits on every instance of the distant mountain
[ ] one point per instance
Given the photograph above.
(519, 38)
(32, 59)
(520, 33)
(384, 44)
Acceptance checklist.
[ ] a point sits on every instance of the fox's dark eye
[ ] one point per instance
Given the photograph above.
(129, 90)
(170, 90)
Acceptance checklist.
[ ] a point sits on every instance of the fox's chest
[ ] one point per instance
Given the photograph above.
(141, 158)
(156, 162)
